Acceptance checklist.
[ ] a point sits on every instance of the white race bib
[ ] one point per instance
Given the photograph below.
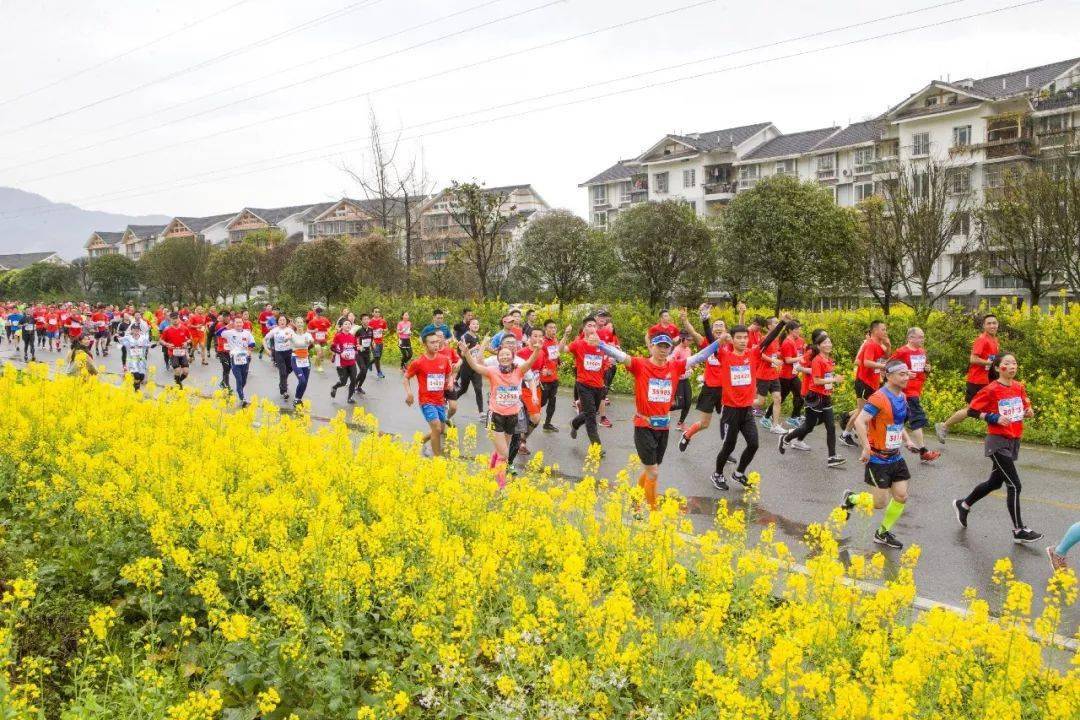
(507, 394)
(894, 437)
(553, 352)
(659, 390)
(1011, 409)
(320, 336)
(918, 363)
(435, 383)
(349, 353)
(302, 362)
(377, 332)
(240, 357)
(179, 352)
(365, 342)
(592, 363)
(740, 375)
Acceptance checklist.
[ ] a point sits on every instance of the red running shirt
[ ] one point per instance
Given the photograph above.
(791, 347)
(871, 351)
(987, 348)
(915, 359)
(1009, 401)
(588, 363)
(822, 369)
(432, 376)
(737, 374)
(654, 387)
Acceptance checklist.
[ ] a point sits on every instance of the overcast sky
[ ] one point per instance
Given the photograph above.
(554, 148)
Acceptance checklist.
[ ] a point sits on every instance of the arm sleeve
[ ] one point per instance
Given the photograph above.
(613, 352)
(701, 355)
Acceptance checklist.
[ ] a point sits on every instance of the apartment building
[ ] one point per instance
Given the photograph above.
(352, 219)
(19, 261)
(980, 128)
(292, 221)
(440, 234)
(213, 229)
(104, 243)
(140, 238)
(615, 189)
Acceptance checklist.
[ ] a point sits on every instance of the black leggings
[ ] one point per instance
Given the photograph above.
(283, 360)
(1004, 473)
(734, 422)
(466, 377)
(226, 367)
(28, 344)
(819, 411)
(406, 354)
(683, 396)
(590, 398)
(792, 386)
(549, 393)
(347, 375)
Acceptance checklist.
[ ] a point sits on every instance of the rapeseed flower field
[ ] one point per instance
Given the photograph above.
(168, 557)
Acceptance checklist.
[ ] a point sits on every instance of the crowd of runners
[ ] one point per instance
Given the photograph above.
(750, 369)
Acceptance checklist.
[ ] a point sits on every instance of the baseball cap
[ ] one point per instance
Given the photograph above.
(662, 340)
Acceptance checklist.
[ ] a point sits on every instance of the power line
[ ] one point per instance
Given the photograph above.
(360, 4)
(114, 58)
(203, 177)
(301, 111)
(306, 80)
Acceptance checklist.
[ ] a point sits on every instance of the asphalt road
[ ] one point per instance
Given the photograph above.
(796, 489)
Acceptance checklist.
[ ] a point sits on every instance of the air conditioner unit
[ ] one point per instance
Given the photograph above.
(846, 172)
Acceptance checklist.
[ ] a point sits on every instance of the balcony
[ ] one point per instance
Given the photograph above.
(720, 190)
(600, 203)
(1053, 139)
(1009, 147)
(826, 174)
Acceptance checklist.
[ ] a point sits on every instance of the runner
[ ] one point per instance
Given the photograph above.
(176, 339)
(404, 336)
(791, 350)
(100, 320)
(737, 416)
(432, 372)
(136, 345)
(913, 355)
(529, 417)
(450, 394)
(377, 323)
(222, 351)
(319, 328)
(300, 343)
(460, 328)
(342, 317)
(39, 325)
(504, 400)
(819, 409)
(197, 325)
(529, 323)
(28, 333)
(880, 426)
(605, 331)
(365, 341)
(589, 382)
(1057, 554)
(240, 344)
(14, 321)
(344, 349)
(264, 327)
(1002, 404)
(869, 362)
(708, 401)
(655, 379)
(683, 393)
(766, 365)
(468, 343)
(437, 323)
(664, 326)
(980, 373)
(549, 375)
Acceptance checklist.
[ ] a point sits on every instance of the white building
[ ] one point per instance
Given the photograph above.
(783, 155)
(615, 189)
(104, 243)
(440, 234)
(212, 229)
(140, 238)
(293, 222)
(18, 261)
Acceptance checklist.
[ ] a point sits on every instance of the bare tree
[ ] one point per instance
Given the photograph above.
(484, 223)
(882, 261)
(413, 188)
(1065, 170)
(1019, 229)
(929, 204)
(378, 179)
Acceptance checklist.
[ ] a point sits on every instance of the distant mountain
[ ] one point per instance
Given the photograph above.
(60, 227)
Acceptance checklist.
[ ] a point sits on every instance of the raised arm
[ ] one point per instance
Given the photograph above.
(702, 354)
(531, 360)
(565, 339)
(467, 356)
(615, 353)
(690, 328)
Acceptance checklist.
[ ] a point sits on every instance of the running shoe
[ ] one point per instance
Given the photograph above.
(523, 449)
(719, 482)
(1025, 535)
(799, 445)
(929, 456)
(848, 503)
(941, 431)
(548, 427)
(740, 478)
(884, 537)
(961, 512)
(605, 422)
(333, 392)
(244, 404)
(848, 439)
(766, 422)
(778, 430)
(835, 461)
(793, 422)
(380, 376)
(284, 396)
(1057, 562)
(684, 442)
(350, 400)
(360, 391)
(783, 444)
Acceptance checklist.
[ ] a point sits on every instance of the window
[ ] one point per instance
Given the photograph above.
(864, 157)
(1054, 123)
(599, 194)
(959, 181)
(920, 185)
(660, 181)
(599, 219)
(1001, 282)
(920, 143)
(625, 188)
(932, 101)
(963, 264)
(863, 191)
(689, 178)
(961, 136)
(748, 173)
(962, 223)
(786, 167)
(993, 176)
(693, 206)
(826, 166)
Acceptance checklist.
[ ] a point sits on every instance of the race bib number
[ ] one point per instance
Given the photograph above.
(553, 352)
(365, 343)
(740, 375)
(918, 363)
(659, 390)
(240, 358)
(1011, 409)
(377, 333)
(894, 437)
(137, 353)
(27, 327)
(349, 353)
(593, 363)
(829, 377)
(302, 361)
(436, 383)
(320, 336)
(52, 321)
(507, 395)
(179, 352)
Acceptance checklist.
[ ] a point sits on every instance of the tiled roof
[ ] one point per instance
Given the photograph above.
(198, 224)
(507, 188)
(276, 215)
(109, 238)
(145, 231)
(18, 261)
(622, 170)
(854, 134)
(723, 139)
(1018, 82)
(792, 144)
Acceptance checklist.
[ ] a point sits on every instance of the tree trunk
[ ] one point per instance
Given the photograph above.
(1035, 291)
(779, 297)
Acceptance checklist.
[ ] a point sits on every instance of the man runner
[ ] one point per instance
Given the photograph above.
(432, 372)
(913, 355)
(869, 362)
(980, 373)
(176, 339)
